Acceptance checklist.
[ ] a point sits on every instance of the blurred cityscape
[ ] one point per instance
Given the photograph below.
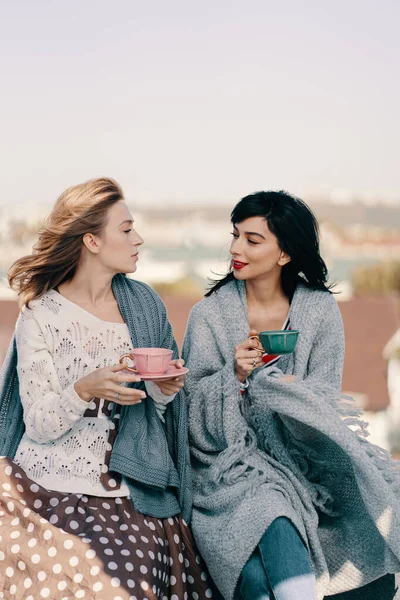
(187, 244)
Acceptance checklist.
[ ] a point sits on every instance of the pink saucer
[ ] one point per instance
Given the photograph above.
(171, 373)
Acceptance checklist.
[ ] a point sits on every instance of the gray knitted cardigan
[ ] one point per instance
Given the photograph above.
(153, 458)
(285, 449)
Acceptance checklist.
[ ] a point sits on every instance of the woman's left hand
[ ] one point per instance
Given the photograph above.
(175, 384)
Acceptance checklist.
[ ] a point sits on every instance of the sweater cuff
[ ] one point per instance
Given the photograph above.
(157, 395)
(76, 404)
(243, 386)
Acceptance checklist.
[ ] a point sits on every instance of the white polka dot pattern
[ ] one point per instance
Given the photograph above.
(66, 546)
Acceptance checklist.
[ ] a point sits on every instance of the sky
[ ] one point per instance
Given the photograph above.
(185, 100)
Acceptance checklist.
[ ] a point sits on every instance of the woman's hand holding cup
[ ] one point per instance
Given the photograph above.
(248, 356)
(106, 383)
(155, 362)
(174, 385)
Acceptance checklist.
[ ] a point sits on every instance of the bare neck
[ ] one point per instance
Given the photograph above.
(264, 293)
(89, 286)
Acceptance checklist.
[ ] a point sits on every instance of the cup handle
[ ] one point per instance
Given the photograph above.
(121, 360)
(255, 337)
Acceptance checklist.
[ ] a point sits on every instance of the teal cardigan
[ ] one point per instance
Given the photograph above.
(152, 457)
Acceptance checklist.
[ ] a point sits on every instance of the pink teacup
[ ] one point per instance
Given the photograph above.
(148, 361)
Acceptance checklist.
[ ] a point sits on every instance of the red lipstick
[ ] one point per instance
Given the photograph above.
(238, 265)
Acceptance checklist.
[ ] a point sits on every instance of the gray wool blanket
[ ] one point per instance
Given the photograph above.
(295, 449)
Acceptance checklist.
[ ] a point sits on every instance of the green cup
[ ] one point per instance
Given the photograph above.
(278, 342)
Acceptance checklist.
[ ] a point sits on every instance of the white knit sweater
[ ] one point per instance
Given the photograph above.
(58, 343)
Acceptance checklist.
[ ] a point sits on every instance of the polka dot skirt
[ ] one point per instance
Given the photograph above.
(65, 546)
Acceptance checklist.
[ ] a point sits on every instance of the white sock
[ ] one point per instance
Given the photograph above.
(297, 588)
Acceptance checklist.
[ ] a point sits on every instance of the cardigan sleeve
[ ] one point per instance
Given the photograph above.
(210, 383)
(327, 352)
(49, 411)
(160, 400)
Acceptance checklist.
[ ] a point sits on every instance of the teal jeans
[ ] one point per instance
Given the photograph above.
(279, 568)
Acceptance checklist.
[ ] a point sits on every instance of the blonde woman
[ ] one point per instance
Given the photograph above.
(95, 477)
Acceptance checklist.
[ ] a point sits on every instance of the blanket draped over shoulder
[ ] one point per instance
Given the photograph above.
(296, 449)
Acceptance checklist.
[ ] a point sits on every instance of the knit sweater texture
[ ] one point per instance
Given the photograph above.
(293, 449)
(152, 456)
(66, 439)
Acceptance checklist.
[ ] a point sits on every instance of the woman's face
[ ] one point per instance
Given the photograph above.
(255, 251)
(118, 246)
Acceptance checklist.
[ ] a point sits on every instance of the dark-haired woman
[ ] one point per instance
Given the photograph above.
(290, 503)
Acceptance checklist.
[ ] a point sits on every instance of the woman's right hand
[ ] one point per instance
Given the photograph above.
(248, 356)
(106, 383)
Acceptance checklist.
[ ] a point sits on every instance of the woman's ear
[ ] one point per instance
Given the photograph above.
(284, 259)
(90, 243)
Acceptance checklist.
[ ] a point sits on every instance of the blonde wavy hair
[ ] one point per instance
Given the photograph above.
(79, 210)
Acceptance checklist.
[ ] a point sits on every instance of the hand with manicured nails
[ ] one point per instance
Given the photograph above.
(248, 356)
(106, 383)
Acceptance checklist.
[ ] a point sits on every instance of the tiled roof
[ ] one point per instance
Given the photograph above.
(369, 323)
